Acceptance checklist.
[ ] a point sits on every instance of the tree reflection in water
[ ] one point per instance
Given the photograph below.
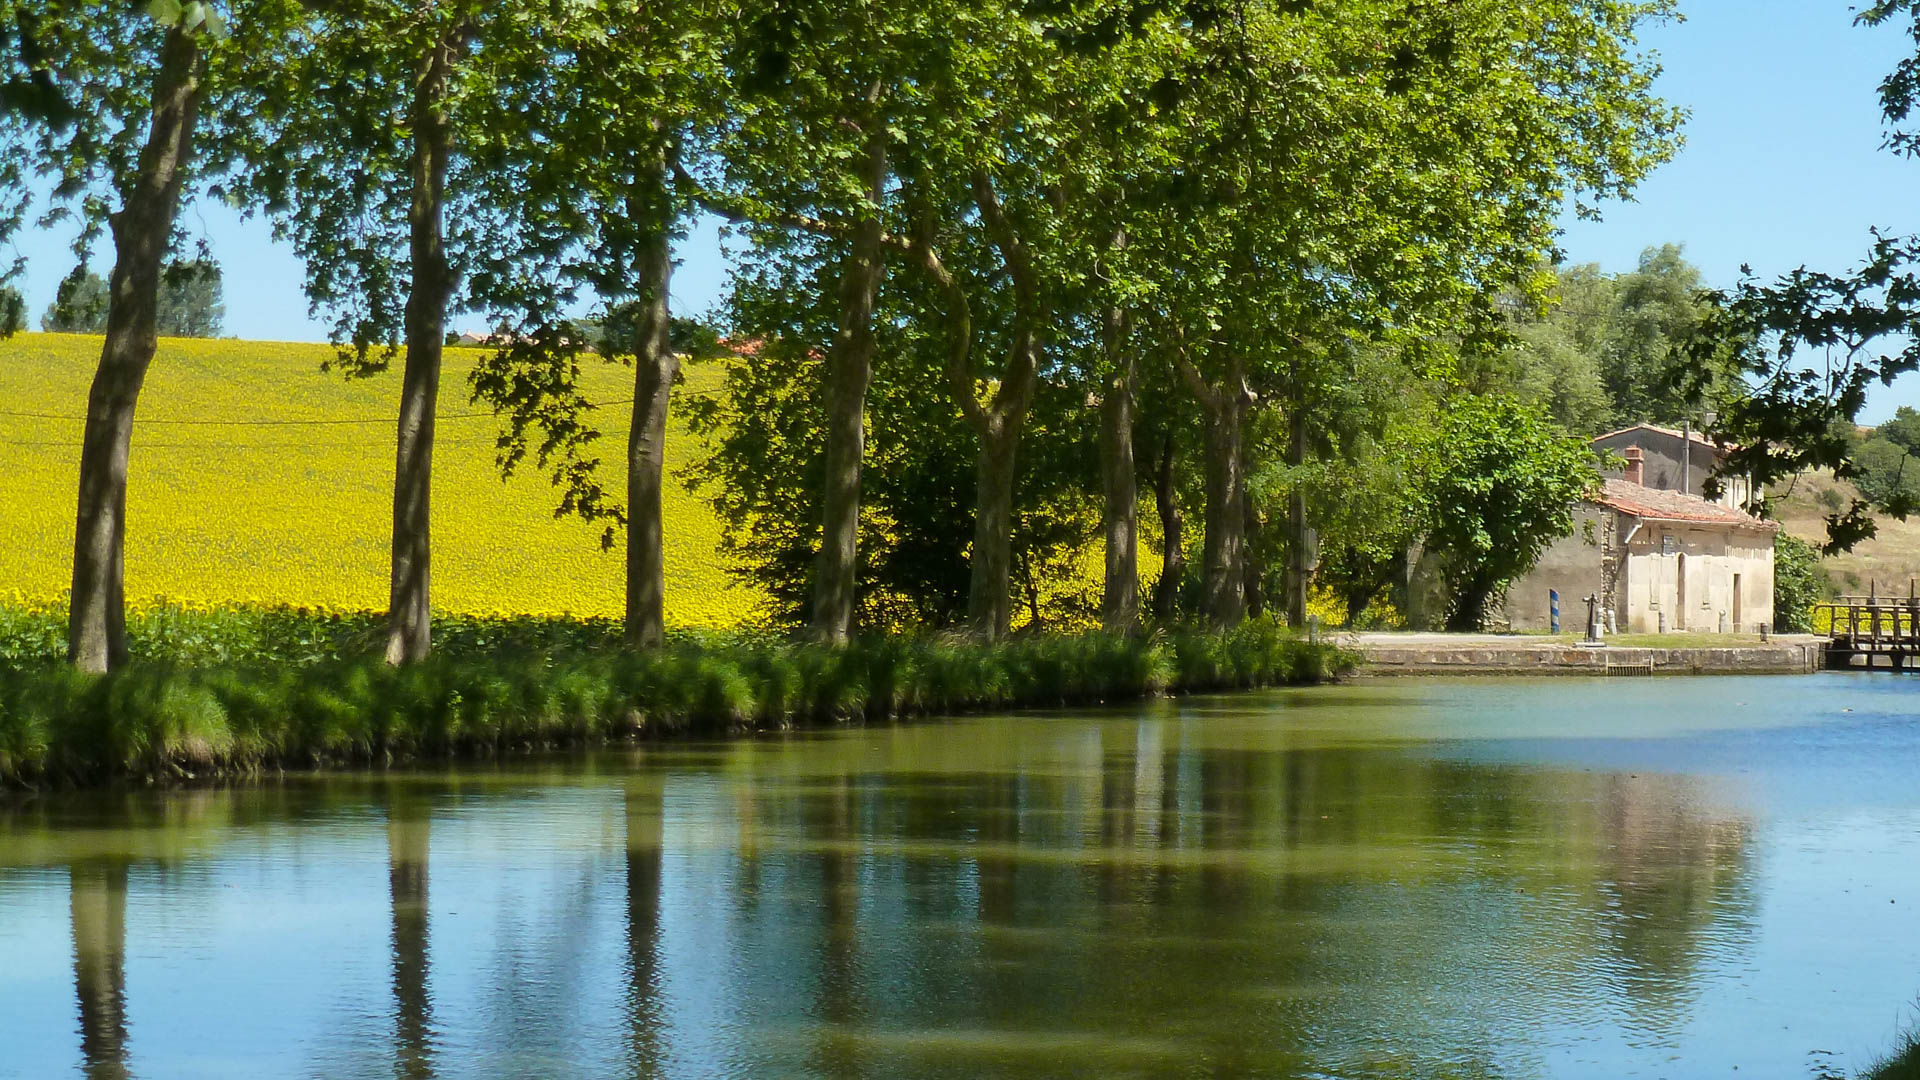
(1159, 890)
(99, 901)
(644, 834)
(1140, 895)
(408, 828)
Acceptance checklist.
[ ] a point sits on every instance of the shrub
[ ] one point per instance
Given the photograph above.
(1797, 584)
(261, 687)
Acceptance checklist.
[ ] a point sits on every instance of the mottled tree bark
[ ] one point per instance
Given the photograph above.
(409, 611)
(1223, 554)
(1120, 592)
(142, 230)
(1251, 564)
(1223, 551)
(654, 366)
(849, 372)
(1173, 554)
(1301, 541)
(989, 595)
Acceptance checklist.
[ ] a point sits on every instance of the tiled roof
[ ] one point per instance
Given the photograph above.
(1671, 433)
(1659, 505)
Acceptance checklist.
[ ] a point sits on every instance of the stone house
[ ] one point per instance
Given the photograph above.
(1658, 560)
(1675, 461)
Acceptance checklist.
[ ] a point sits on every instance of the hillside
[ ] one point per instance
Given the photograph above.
(1891, 559)
(298, 513)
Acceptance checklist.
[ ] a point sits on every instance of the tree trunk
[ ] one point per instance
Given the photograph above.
(989, 603)
(1469, 613)
(1250, 559)
(1224, 551)
(849, 373)
(989, 595)
(1301, 541)
(1030, 589)
(1173, 556)
(142, 230)
(409, 612)
(1120, 593)
(654, 367)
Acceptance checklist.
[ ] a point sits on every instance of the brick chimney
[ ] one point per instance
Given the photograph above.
(1636, 465)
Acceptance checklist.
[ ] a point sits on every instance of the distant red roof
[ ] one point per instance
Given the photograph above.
(1660, 505)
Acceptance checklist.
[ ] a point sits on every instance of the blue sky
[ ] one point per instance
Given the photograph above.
(1782, 167)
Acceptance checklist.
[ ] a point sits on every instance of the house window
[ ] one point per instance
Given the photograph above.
(1669, 544)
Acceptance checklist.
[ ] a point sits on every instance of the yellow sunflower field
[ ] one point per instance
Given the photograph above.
(258, 479)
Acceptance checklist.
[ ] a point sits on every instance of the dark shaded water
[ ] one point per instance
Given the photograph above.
(1447, 878)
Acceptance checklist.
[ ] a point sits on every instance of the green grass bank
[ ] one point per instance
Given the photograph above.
(235, 692)
(1903, 1065)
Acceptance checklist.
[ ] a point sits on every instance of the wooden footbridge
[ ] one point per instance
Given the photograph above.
(1872, 631)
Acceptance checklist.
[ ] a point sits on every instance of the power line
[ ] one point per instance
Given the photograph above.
(321, 423)
(277, 423)
(237, 446)
(711, 392)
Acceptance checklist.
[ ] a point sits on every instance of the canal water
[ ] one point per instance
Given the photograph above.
(1396, 878)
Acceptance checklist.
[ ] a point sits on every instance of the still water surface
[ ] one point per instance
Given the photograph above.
(1445, 878)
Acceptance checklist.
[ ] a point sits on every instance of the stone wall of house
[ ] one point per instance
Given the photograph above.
(1703, 578)
(1577, 566)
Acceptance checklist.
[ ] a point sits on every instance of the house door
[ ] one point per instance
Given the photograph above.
(1736, 603)
(1680, 591)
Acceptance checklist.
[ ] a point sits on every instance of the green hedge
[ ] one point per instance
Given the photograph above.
(237, 699)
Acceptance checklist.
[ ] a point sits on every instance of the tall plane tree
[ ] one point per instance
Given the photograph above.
(363, 150)
(823, 94)
(1372, 168)
(105, 99)
(1018, 215)
(622, 89)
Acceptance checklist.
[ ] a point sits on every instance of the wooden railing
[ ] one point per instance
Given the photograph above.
(1871, 631)
(1849, 619)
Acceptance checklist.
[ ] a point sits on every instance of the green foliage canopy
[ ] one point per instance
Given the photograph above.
(76, 97)
(1502, 487)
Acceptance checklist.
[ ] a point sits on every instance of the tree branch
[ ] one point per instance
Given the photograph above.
(739, 214)
(959, 365)
(1016, 390)
(1211, 399)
